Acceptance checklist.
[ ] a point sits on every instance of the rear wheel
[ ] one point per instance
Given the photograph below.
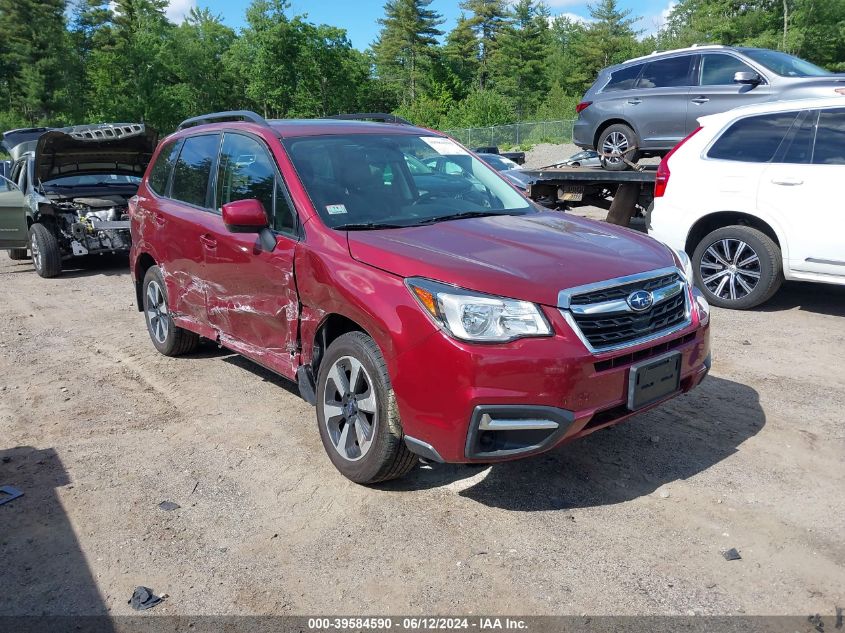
(737, 267)
(616, 145)
(356, 412)
(168, 338)
(18, 254)
(46, 253)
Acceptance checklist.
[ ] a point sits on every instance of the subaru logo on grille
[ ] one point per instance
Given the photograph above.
(640, 300)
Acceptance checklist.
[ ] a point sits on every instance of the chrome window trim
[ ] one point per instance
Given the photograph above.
(566, 309)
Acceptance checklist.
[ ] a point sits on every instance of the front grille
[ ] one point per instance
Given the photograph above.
(606, 322)
(621, 292)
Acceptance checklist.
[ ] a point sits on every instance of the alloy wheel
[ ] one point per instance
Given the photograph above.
(730, 269)
(157, 314)
(614, 147)
(36, 254)
(350, 408)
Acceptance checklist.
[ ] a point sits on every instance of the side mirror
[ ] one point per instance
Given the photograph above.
(248, 216)
(746, 77)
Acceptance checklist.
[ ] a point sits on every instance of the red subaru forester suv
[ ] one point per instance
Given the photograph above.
(422, 304)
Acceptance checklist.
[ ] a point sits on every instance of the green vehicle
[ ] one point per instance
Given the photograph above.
(66, 191)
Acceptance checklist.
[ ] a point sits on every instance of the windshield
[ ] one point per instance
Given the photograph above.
(80, 181)
(369, 181)
(784, 64)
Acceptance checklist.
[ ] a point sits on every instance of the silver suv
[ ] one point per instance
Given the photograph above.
(644, 106)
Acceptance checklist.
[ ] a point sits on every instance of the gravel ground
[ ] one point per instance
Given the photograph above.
(98, 429)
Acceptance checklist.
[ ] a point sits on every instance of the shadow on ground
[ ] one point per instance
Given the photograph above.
(43, 569)
(809, 297)
(88, 266)
(675, 441)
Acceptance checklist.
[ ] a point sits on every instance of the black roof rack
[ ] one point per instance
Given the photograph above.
(220, 117)
(382, 117)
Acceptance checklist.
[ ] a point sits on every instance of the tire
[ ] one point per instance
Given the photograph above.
(367, 408)
(46, 253)
(737, 267)
(18, 254)
(167, 338)
(575, 165)
(617, 136)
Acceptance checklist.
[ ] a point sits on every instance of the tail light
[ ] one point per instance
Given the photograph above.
(663, 173)
(582, 106)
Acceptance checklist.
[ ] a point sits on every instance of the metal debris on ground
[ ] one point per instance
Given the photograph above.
(167, 506)
(732, 554)
(9, 493)
(143, 598)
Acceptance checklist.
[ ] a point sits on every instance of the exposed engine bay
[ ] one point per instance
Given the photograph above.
(92, 225)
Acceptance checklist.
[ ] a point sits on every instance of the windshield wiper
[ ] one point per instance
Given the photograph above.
(367, 226)
(462, 215)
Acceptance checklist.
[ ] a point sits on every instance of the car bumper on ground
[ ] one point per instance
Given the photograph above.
(508, 401)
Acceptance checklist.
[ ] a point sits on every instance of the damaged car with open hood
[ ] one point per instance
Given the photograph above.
(68, 191)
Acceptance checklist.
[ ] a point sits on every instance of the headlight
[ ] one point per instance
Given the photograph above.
(686, 265)
(472, 316)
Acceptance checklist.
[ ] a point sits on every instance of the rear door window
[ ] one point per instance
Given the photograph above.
(624, 78)
(193, 169)
(754, 139)
(667, 73)
(830, 138)
(160, 172)
(719, 69)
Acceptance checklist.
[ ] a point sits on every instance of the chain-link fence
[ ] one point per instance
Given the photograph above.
(515, 134)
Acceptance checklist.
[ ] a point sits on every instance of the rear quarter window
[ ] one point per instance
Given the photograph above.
(160, 172)
(624, 78)
(754, 139)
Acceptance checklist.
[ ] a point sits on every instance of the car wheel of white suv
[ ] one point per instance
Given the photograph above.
(737, 267)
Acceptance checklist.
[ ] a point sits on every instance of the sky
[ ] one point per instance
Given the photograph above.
(360, 17)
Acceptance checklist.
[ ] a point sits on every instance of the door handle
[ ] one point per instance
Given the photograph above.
(635, 101)
(700, 100)
(208, 241)
(158, 218)
(787, 182)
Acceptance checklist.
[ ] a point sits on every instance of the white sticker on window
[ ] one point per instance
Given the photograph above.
(336, 209)
(444, 146)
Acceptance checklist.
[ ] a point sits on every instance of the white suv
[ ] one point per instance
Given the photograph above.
(755, 196)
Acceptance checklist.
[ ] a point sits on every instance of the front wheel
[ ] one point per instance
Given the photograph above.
(46, 252)
(356, 412)
(737, 267)
(168, 338)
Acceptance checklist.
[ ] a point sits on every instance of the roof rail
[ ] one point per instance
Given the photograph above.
(221, 117)
(372, 116)
(694, 47)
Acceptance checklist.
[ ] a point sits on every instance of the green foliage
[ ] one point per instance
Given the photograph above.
(75, 61)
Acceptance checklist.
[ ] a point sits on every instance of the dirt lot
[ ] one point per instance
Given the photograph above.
(98, 429)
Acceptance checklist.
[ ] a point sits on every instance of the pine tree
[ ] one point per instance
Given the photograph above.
(519, 62)
(461, 55)
(407, 40)
(609, 39)
(34, 54)
(488, 19)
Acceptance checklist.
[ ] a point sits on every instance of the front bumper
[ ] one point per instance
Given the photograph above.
(446, 390)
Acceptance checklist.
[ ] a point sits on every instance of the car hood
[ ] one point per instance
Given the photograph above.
(113, 148)
(530, 257)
